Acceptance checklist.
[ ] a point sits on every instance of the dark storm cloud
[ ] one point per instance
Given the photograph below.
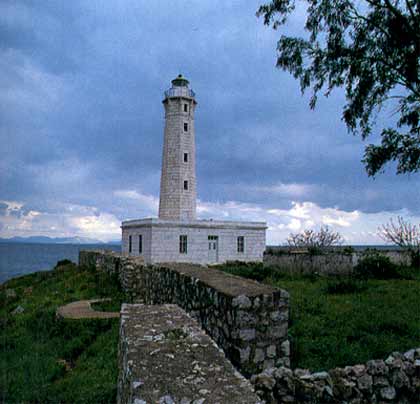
(81, 112)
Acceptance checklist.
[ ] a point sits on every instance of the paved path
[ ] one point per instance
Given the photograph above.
(83, 309)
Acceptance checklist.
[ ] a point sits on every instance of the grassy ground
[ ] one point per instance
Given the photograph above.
(47, 360)
(347, 321)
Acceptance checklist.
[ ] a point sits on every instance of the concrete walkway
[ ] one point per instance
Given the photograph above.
(83, 309)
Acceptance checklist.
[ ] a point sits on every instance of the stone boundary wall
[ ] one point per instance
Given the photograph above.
(331, 263)
(165, 357)
(395, 380)
(248, 320)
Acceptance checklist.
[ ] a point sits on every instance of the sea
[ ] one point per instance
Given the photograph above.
(18, 259)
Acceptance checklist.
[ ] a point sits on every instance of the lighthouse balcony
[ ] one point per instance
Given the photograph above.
(179, 92)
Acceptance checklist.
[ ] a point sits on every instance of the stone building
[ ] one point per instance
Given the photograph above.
(176, 235)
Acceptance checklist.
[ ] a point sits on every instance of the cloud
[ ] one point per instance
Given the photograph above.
(81, 123)
(147, 201)
(72, 220)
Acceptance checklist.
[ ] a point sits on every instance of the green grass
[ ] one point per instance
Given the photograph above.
(343, 322)
(48, 360)
(334, 322)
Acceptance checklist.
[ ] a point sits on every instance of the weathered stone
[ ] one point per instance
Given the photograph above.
(365, 383)
(245, 318)
(242, 302)
(269, 363)
(244, 354)
(209, 296)
(409, 355)
(283, 362)
(358, 370)
(380, 381)
(350, 385)
(259, 355)
(257, 303)
(285, 348)
(188, 363)
(271, 351)
(321, 376)
(388, 393)
(301, 372)
(166, 400)
(279, 331)
(247, 334)
(264, 380)
(377, 367)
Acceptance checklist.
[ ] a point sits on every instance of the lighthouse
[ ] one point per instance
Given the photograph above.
(176, 235)
(178, 181)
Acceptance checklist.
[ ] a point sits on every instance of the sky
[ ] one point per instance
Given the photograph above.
(81, 123)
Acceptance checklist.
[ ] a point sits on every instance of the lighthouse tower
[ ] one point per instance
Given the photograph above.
(178, 181)
(176, 235)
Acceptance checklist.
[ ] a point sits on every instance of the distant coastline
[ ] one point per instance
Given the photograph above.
(57, 240)
(20, 258)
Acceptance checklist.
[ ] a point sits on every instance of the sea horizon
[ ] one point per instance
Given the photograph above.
(18, 258)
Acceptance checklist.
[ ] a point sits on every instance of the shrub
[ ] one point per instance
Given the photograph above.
(255, 271)
(376, 266)
(348, 250)
(63, 263)
(344, 286)
(276, 251)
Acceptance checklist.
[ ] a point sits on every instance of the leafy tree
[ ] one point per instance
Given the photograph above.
(403, 234)
(313, 240)
(371, 48)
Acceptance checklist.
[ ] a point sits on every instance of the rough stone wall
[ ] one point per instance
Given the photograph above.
(305, 263)
(248, 320)
(104, 260)
(395, 380)
(165, 357)
(326, 264)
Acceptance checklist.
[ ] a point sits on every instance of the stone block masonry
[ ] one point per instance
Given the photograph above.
(167, 358)
(393, 380)
(248, 320)
(330, 263)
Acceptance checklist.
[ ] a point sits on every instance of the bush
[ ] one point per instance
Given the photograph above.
(276, 251)
(344, 286)
(256, 271)
(63, 263)
(376, 266)
(348, 250)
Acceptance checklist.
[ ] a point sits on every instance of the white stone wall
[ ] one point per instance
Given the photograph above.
(146, 233)
(163, 240)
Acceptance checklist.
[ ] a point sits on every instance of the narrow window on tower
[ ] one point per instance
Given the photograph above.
(185, 127)
(130, 244)
(185, 157)
(185, 107)
(183, 244)
(186, 185)
(241, 244)
(140, 244)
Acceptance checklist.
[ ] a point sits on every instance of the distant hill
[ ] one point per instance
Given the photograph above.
(55, 240)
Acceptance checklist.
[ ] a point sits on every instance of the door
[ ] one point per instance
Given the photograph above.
(213, 248)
